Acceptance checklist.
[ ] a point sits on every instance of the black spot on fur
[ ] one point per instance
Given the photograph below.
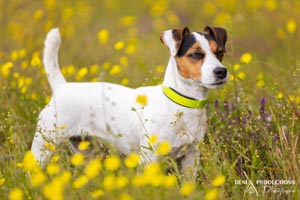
(187, 42)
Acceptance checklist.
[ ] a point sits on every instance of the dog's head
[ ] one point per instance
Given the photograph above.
(199, 54)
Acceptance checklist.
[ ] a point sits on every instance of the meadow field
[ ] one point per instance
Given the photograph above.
(251, 149)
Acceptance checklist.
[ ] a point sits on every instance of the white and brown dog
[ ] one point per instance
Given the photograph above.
(174, 111)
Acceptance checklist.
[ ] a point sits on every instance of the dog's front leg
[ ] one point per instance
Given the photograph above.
(190, 164)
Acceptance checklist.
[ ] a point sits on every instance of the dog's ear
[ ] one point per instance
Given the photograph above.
(173, 38)
(219, 34)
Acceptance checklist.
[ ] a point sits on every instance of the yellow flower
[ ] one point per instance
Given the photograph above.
(35, 60)
(38, 14)
(70, 70)
(291, 26)
(142, 99)
(65, 177)
(49, 146)
(2, 181)
(132, 160)
(29, 162)
(82, 73)
(80, 182)
(94, 69)
(125, 81)
(109, 182)
(158, 8)
(279, 95)
(14, 55)
(92, 169)
(163, 148)
(112, 163)
(119, 45)
(173, 18)
(106, 65)
(218, 181)
(5, 69)
(128, 20)
(169, 181)
(116, 69)
(121, 181)
(125, 196)
(52, 169)
(152, 169)
(246, 58)
(236, 67)
(55, 158)
(97, 193)
(22, 53)
(77, 159)
(124, 61)
(187, 188)
(37, 178)
(241, 75)
(56, 186)
(260, 83)
(211, 194)
(130, 49)
(138, 181)
(103, 36)
(83, 145)
(271, 5)
(16, 194)
(160, 69)
(152, 139)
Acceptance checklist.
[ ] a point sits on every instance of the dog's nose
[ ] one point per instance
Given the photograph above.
(220, 72)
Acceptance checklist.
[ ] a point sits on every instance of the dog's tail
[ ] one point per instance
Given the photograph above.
(50, 59)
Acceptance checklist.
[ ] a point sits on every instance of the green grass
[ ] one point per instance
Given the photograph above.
(253, 128)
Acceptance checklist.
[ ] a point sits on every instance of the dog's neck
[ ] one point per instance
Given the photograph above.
(184, 86)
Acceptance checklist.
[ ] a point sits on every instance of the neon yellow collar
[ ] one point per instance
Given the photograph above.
(183, 100)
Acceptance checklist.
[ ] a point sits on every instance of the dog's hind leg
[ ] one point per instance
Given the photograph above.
(47, 134)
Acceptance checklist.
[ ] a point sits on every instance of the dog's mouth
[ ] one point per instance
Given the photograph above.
(219, 83)
(213, 85)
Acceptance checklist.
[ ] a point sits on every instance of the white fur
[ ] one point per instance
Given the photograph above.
(111, 112)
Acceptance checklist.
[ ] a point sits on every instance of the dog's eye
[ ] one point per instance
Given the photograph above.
(196, 56)
(220, 54)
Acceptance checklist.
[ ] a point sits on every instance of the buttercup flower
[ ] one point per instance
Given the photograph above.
(93, 168)
(77, 159)
(163, 148)
(187, 188)
(142, 99)
(16, 194)
(132, 160)
(218, 181)
(246, 58)
(112, 163)
(211, 194)
(83, 145)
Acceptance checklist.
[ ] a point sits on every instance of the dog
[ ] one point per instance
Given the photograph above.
(173, 111)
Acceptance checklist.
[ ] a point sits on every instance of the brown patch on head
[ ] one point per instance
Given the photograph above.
(189, 65)
(178, 35)
(173, 41)
(217, 38)
(214, 47)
